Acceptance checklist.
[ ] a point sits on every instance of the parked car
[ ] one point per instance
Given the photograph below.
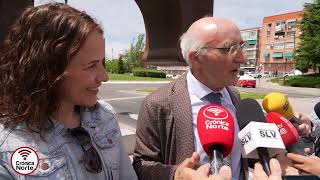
(246, 80)
(293, 73)
(255, 75)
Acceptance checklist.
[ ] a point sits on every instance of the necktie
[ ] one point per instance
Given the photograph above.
(215, 98)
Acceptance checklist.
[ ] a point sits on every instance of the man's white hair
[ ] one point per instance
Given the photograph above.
(190, 41)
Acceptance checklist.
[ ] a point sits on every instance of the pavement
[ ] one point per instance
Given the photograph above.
(303, 103)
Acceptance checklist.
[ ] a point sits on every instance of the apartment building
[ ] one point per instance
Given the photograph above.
(251, 37)
(279, 38)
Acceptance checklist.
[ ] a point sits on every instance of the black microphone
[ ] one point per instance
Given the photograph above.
(249, 110)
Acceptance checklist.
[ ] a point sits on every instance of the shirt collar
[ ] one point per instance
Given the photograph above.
(198, 89)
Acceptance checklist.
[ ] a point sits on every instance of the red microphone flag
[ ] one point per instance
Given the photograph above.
(215, 127)
(287, 131)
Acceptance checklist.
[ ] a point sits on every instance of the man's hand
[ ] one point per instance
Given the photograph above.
(304, 129)
(286, 165)
(309, 164)
(186, 170)
(259, 174)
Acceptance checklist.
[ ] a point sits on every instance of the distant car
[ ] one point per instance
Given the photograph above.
(293, 73)
(255, 75)
(246, 80)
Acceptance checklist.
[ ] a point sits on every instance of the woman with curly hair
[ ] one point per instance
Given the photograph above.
(51, 66)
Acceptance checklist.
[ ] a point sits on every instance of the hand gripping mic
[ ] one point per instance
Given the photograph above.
(259, 139)
(288, 132)
(216, 133)
(277, 102)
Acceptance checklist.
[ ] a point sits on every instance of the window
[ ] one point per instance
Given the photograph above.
(268, 34)
(289, 45)
(249, 35)
(292, 23)
(291, 34)
(268, 46)
(278, 45)
(280, 26)
(269, 65)
(269, 26)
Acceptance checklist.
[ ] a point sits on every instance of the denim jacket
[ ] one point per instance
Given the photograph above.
(62, 154)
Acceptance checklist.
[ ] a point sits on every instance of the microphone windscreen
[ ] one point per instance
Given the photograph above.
(215, 127)
(249, 110)
(277, 102)
(317, 109)
(288, 132)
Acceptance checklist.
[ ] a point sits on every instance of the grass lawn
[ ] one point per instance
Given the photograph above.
(251, 95)
(242, 94)
(125, 77)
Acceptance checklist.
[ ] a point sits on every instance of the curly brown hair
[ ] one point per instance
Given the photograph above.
(33, 58)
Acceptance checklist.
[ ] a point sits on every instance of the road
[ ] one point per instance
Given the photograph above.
(126, 100)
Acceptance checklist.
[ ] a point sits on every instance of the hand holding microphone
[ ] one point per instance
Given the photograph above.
(305, 127)
(309, 164)
(186, 171)
(216, 133)
(259, 174)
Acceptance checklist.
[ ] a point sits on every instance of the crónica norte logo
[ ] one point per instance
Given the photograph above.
(24, 160)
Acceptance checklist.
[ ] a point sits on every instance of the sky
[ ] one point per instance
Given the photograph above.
(122, 20)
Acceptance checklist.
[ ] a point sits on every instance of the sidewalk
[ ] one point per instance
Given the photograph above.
(308, 91)
(300, 105)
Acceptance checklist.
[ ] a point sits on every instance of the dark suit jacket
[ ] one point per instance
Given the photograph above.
(164, 136)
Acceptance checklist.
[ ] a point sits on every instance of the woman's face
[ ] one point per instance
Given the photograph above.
(84, 73)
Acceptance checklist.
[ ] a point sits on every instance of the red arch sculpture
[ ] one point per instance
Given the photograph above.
(165, 21)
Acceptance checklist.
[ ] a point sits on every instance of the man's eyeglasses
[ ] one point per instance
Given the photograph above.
(233, 50)
(91, 158)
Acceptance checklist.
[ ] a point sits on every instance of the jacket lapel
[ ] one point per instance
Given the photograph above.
(181, 108)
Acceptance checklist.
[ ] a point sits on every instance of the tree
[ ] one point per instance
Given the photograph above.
(133, 56)
(111, 65)
(121, 69)
(307, 55)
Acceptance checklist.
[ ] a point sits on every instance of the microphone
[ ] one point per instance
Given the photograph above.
(277, 102)
(288, 132)
(216, 133)
(259, 139)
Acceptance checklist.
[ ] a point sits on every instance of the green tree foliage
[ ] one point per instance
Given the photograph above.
(111, 65)
(121, 69)
(133, 56)
(307, 54)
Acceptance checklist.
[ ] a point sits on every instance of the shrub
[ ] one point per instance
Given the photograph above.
(139, 72)
(311, 80)
(149, 73)
(156, 74)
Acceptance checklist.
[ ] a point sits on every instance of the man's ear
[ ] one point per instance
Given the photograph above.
(194, 58)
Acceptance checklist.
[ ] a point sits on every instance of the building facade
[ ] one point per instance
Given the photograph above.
(251, 37)
(279, 38)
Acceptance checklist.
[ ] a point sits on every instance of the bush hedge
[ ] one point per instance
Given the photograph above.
(310, 80)
(148, 73)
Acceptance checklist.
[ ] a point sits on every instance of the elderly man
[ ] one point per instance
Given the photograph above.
(166, 130)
